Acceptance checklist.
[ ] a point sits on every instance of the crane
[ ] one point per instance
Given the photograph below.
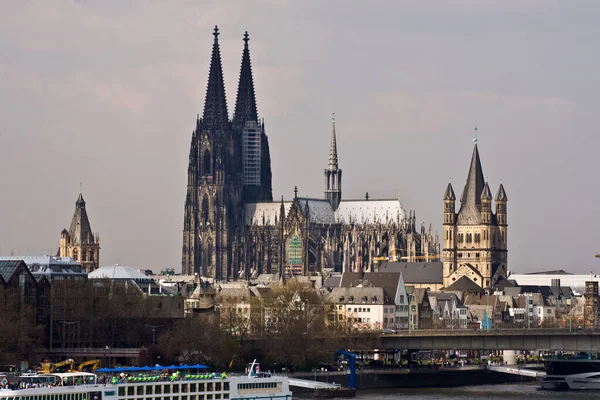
(93, 364)
(48, 368)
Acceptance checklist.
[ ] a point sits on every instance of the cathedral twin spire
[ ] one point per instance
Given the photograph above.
(215, 107)
(215, 114)
(245, 106)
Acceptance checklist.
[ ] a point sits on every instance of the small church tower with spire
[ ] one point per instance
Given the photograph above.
(333, 174)
(79, 242)
(475, 246)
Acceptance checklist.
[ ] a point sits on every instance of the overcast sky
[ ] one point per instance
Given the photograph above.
(107, 92)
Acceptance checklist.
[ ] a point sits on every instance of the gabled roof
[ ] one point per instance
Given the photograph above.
(8, 268)
(464, 284)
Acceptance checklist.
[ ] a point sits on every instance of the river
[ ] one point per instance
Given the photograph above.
(506, 391)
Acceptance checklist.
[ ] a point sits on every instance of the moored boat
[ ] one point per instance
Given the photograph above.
(571, 374)
(146, 383)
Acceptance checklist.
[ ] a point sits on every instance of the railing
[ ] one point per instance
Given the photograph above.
(493, 332)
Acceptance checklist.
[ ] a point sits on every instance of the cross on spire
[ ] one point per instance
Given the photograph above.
(295, 191)
(246, 38)
(333, 118)
(216, 32)
(475, 138)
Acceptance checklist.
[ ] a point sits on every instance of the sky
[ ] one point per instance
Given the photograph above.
(105, 93)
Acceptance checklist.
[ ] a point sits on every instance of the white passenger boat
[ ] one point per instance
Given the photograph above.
(571, 374)
(147, 383)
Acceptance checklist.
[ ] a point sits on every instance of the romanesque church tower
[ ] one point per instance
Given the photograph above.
(333, 174)
(79, 242)
(229, 164)
(475, 242)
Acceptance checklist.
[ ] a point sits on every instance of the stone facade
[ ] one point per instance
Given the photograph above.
(475, 242)
(235, 230)
(79, 242)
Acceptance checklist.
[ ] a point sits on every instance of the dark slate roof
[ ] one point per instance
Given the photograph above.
(554, 272)
(471, 196)
(9, 267)
(449, 193)
(333, 281)
(387, 281)
(415, 273)
(504, 283)
(464, 284)
(80, 230)
(486, 194)
(501, 195)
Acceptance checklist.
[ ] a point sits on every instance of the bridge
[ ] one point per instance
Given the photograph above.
(584, 340)
(304, 383)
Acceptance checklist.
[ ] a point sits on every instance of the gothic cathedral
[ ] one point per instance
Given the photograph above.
(475, 238)
(234, 230)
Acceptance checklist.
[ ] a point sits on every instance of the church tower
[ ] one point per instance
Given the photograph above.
(79, 242)
(475, 239)
(333, 174)
(212, 206)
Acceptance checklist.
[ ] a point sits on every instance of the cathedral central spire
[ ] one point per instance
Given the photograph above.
(333, 158)
(215, 106)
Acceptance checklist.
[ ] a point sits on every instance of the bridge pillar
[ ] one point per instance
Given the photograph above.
(510, 357)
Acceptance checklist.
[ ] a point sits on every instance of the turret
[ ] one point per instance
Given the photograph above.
(486, 205)
(449, 205)
(449, 230)
(501, 200)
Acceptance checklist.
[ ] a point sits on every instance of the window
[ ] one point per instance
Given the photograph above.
(401, 299)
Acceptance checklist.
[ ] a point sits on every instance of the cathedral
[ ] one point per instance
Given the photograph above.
(475, 243)
(234, 230)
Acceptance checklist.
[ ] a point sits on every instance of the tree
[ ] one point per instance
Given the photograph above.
(197, 340)
(20, 335)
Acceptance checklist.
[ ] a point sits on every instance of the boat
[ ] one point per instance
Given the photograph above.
(146, 383)
(571, 374)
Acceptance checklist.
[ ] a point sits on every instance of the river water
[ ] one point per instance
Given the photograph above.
(506, 391)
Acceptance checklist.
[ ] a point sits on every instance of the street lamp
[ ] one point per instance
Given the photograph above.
(108, 348)
(153, 331)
